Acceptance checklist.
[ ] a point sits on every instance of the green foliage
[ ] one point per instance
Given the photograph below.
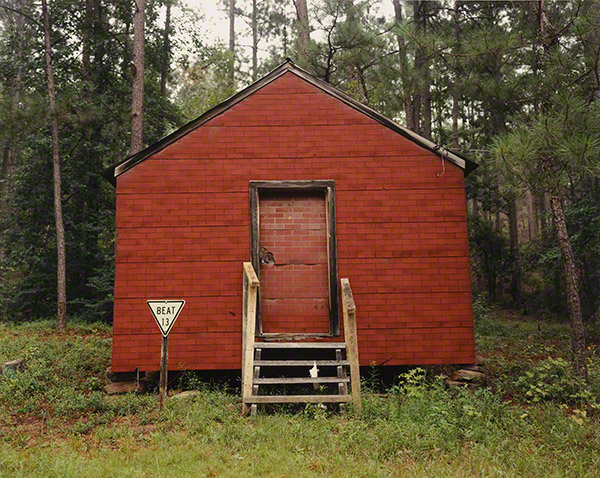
(554, 146)
(543, 285)
(531, 361)
(205, 83)
(541, 116)
(481, 310)
(583, 217)
(553, 380)
(537, 103)
(489, 255)
(420, 427)
(93, 115)
(63, 376)
(452, 417)
(478, 69)
(413, 383)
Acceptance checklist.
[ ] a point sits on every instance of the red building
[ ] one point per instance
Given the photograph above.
(309, 185)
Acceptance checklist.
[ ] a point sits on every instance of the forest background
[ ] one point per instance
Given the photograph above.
(514, 86)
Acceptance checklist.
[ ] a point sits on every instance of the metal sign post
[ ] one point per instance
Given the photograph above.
(165, 312)
(164, 371)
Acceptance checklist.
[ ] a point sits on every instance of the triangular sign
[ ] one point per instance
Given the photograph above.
(165, 312)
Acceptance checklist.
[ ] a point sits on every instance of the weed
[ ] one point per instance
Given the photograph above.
(553, 379)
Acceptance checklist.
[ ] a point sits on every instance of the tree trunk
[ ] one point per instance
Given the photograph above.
(86, 37)
(497, 221)
(126, 64)
(403, 61)
(5, 175)
(455, 109)
(426, 128)
(591, 42)
(60, 229)
(232, 44)
(532, 216)
(99, 67)
(490, 276)
(303, 27)
(549, 42)
(513, 233)
(166, 53)
(137, 103)
(254, 41)
(457, 77)
(595, 8)
(352, 69)
(571, 279)
(9, 152)
(541, 213)
(420, 63)
(475, 208)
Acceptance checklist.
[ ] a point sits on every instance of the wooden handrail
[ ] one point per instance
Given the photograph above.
(250, 294)
(349, 312)
(250, 274)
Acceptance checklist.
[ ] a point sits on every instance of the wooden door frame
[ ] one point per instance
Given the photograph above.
(322, 186)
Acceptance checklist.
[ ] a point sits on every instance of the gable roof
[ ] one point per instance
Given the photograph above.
(120, 167)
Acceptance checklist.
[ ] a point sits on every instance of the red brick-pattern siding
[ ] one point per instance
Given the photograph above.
(294, 292)
(183, 227)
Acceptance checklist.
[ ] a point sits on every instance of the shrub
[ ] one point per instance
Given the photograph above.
(553, 380)
(429, 415)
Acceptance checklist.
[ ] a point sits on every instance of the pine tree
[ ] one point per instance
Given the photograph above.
(137, 102)
(554, 145)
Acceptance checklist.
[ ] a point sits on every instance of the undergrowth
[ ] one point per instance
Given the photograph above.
(529, 360)
(533, 418)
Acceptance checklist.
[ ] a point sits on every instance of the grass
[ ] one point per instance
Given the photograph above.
(56, 422)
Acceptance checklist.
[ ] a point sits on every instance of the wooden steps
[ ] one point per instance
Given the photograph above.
(298, 380)
(299, 345)
(290, 364)
(336, 368)
(299, 399)
(300, 363)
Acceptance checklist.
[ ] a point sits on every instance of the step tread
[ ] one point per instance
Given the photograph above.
(299, 380)
(298, 399)
(299, 345)
(299, 363)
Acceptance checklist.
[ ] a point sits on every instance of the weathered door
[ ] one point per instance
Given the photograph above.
(293, 251)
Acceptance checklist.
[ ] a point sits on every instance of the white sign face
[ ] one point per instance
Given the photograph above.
(165, 313)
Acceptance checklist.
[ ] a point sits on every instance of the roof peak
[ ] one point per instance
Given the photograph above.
(287, 65)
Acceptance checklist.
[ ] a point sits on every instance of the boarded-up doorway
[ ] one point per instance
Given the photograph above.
(293, 241)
